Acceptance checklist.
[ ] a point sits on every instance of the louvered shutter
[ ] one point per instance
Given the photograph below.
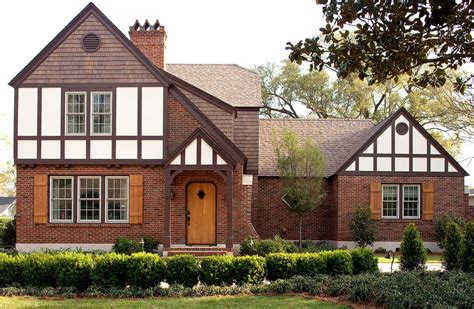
(40, 197)
(375, 200)
(136, 199)
(427, 201)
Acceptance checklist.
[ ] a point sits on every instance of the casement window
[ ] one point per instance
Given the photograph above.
(75, 113)
(390, 201)
(411, 201)
(101, 113)
(117, 199)
(61, 199)
(89, 195)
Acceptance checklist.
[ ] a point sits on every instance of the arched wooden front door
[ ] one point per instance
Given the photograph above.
(201, 214)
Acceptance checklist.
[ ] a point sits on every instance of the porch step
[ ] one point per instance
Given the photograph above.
(197, 251)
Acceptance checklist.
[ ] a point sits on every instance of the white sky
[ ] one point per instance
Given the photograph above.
(245, 32)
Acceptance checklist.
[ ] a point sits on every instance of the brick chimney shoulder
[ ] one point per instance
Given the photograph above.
(150, 40)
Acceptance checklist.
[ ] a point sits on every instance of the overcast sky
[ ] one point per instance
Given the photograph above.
(245, 32)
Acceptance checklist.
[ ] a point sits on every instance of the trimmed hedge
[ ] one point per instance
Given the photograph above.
(146, 270)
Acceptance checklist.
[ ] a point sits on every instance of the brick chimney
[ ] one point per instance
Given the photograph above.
(151, 40)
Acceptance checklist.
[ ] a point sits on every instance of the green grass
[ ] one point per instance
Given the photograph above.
(431, 259)
(202, 302)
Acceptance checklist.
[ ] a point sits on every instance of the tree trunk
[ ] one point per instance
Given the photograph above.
(301, 231)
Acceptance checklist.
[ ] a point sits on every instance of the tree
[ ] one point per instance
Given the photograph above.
(468, 253)
(383, 40)
(362, 227)
(301, 166)
(291, 92)
(7, 179)
(413, 254)
(453, 247)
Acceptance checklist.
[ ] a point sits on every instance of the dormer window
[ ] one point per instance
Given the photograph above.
(76, 113)
(101, 113)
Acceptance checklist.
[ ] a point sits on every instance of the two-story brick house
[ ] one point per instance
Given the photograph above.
(111, 141)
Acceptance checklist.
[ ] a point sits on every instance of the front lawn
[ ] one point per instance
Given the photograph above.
(203, 302)
(432, 258)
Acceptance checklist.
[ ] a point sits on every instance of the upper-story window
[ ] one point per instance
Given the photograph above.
(76, 113)
(101, 113)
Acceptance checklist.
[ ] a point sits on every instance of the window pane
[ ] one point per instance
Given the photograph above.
(61, 199)
(89, 199)
(117, 199)
(389, 200)
(411, 201)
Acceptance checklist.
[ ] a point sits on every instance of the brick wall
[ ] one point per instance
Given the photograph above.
(354, 191)
(153, 204)
(270, 215)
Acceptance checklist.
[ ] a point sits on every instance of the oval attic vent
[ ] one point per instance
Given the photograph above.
(401, 128)
(91, 42)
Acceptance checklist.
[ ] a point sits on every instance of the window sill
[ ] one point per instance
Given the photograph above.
(96, 225)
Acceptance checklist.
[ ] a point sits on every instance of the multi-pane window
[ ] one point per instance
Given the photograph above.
(390, 201)
(101, 113)
(76, 113)
(411, 201)
(89, 199)
(117, 199)
(61, 194)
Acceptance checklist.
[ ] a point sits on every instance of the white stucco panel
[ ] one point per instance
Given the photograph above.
(206, 153)
(27, 150)
(27, 111)
(152, 111)
(127, 111)
(351, 167)
(402, 142)
(176, 161)
(366, 164)
(126, 149)
(433, 150)
(51, 112)
(220, 161)
(50, 149)
(420, 164)
(152, 150)
(402, 164)
(101, 149)
(190, 157)
(369, 149)
(75, 149)
(419, 142)
(437, 164)
(451, 168)
(384, 164)
(384, 141)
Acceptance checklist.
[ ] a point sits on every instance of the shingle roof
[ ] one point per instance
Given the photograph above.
(233, 84)
(338, 139)
(5, 201)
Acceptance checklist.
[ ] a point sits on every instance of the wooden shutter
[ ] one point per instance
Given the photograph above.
(40, 197)
(375, 200)
(136, 199)
(427, 201)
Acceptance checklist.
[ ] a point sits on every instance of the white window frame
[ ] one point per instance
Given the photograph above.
(398, 201)
(403, 201)
(107, 220)
(92, 113)
(51, 178)
(79, 220)
(66, 113)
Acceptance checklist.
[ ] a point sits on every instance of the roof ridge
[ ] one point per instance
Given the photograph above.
(218, 64)
(317, 119)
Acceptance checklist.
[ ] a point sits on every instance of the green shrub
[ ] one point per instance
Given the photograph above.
(364, 261)
(110, 270)
(311, 264)
(441, 224)
(150, 244)
(145, 270)
(74, 270)
(362, 227)
(413, 254)
(453, 247)
(182, 269)
(216, 270)
(247, 246)
(249, 269)
(38, 269)
(126, 246)
(338, 262)
(11, 269)
(8, 233)
(468, 253)
(312, 246)
(281, 265)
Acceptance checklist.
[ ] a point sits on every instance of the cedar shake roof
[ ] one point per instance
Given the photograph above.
(338, 139)
(233, 84)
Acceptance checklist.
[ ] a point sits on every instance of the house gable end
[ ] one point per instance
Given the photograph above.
(401, 146)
